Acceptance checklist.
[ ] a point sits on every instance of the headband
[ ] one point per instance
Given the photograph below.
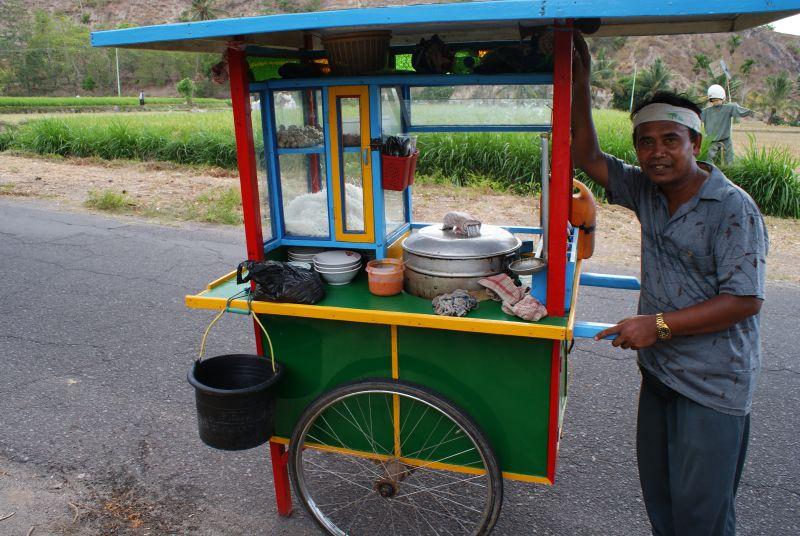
(666, 112)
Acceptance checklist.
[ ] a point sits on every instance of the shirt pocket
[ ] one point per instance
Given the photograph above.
(701, 264)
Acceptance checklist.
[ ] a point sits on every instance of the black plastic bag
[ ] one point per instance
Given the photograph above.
(281, 282)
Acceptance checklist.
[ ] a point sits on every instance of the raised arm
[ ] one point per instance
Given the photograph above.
(586, 153)
(741, 111)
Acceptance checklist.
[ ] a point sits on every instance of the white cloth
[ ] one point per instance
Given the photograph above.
(667, 112)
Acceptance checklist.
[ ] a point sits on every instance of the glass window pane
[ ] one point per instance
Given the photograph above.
(305, 199)
(394, 210)
(263, 184)
(353, 196)
(297, 118)
(482, 105)
(349, 121)
(391, 118)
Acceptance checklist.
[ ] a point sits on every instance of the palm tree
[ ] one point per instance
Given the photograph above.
(702, 64)
(777, 97)
(653, 79)
(604, 70)
(201, 10)
(733, 43)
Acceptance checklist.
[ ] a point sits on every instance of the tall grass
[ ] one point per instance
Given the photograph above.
(78, 102)
(205, 139)
(771, 179)
(508, 161)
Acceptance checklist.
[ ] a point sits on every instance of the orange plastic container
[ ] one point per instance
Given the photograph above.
(385, 276)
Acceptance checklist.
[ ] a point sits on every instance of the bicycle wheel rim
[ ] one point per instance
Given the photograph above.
(389, 457)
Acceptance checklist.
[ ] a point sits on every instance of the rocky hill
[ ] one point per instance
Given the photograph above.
(772, 52)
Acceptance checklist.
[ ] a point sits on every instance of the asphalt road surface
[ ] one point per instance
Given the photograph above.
(97, 422)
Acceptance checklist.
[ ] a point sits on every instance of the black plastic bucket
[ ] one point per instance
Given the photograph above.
(235, 400)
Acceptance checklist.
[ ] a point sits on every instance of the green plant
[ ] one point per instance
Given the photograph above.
(219, 205)
(770, 177)
(88, 83)
(108, 200)
(86, 18)
(186, 88)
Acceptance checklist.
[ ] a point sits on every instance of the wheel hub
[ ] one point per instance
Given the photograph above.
(389, 485)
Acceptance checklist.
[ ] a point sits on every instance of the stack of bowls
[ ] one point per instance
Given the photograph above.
(303, 254)
(337, 267)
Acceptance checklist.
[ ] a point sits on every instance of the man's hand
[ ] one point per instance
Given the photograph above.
(581, 61)
(633, 333)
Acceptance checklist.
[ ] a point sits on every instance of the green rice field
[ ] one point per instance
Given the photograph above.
(507, 161)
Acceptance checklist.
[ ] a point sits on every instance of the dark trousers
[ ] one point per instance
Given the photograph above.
(690, 461)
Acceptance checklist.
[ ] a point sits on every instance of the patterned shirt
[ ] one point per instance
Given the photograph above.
(715, 243)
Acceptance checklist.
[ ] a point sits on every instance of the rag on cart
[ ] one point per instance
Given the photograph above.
(516, 300)
(461, 223)
(457, 303)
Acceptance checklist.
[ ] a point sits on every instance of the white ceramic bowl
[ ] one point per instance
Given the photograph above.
(337, 270)
(342, 278)
(337, 258)
(345, 267)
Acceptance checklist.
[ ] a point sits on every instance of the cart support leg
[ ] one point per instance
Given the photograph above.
(280, 475)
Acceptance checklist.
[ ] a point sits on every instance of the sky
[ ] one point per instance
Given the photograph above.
(789, 25)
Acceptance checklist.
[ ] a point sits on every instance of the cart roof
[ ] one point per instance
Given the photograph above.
(462, 22)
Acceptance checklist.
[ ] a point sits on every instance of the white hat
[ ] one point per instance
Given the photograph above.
(716, 92)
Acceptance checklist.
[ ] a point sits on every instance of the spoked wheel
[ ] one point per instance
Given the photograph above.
(386, 457)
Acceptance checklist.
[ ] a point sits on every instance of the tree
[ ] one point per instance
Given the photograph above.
(733, 43)
(201, 10)
(653, 79)
(186, 88)
(702, 64)
(776, 99)
(604, 71)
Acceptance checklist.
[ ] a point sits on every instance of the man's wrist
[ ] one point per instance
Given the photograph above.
(663, 332)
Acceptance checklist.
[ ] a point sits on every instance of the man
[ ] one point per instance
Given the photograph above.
(717, 122)
(697, 330)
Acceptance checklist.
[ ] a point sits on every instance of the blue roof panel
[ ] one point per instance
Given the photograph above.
(457, 22)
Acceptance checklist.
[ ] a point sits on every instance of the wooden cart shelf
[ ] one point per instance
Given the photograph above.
(354, 303)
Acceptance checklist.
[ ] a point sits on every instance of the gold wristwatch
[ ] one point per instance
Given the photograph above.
(664, 333)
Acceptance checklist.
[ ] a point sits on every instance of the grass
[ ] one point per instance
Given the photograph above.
(222, 205)
(80, 102)
(771, 179)
(109, 201)
(503, 162)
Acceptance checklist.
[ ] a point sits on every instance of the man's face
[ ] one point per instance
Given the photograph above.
(716, 102)
(666, 151)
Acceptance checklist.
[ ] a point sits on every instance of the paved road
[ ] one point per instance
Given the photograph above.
(95, 343)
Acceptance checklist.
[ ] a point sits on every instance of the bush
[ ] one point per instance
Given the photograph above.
(770, 177)
(186, 88)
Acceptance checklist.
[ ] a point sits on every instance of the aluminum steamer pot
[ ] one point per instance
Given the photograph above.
(438, 262)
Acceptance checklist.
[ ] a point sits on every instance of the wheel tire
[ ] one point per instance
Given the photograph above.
(393, 483)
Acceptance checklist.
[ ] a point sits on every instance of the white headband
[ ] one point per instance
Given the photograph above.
(666, 112)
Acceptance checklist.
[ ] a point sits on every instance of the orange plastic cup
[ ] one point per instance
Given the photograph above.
(385, 276)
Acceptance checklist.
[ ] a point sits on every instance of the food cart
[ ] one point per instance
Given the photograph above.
(388, 416)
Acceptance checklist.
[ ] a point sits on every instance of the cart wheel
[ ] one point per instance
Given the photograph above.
(387, 457)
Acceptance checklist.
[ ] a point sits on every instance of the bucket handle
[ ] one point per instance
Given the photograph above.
(238, 311)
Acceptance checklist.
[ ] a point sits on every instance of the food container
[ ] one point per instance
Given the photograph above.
(438, 261)
(385, 276)
(535, 272)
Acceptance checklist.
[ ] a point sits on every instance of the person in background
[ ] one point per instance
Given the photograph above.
(717, 124)
(697, 332)
(141, 98)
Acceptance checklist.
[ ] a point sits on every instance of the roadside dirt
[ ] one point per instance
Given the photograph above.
(163, 191)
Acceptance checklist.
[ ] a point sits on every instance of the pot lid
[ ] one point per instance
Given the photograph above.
(432, 241)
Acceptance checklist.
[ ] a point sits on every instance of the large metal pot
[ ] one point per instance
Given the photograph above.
(438, 262)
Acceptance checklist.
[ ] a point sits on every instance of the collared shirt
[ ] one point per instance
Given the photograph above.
(717, 119)
(715, 243)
